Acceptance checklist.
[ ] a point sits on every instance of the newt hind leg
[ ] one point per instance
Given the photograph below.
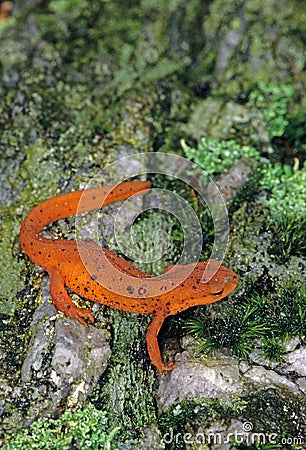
(152, 344)
(62, 300)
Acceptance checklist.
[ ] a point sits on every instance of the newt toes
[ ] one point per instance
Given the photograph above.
(84, 267)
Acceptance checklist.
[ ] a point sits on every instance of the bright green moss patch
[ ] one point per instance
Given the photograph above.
(273, 101)
(89, 427)
(287, 187)
(216, 156)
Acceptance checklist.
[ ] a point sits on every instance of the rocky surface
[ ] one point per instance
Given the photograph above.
(64, 361)
(223, 377)
(216, 378)
(85, 83)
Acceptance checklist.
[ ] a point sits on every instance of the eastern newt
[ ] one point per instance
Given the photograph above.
(84, 267)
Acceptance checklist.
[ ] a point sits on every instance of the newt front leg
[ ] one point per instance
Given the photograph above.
(62, 300)
(152, 343)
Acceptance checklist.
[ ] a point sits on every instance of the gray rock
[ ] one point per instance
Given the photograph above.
(258, 377)
(292, 344)
(80, 353)
(42, 334)
(191, 380)
(302, 384)
(63, 354)
(218, 435)
(152, 439)
(296, 361)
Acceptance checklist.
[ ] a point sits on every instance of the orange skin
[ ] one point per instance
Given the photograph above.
(83, 267)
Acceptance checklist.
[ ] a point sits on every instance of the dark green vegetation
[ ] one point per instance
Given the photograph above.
(83, 82)
(265, 320)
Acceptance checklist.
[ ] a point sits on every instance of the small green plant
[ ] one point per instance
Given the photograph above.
(88, 426)
(270, 318)
(272, 349)
(237, 331)
(216, 156)
(273, 100)
(287, 186)
(288, 237)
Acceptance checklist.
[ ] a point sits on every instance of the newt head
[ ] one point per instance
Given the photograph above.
(220, 281)
(208, 283)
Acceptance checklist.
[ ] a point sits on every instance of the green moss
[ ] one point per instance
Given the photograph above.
(190, 417)
(288, 230)
(126, 392)
(236, 330)
(272, 349)
(273, 101)
(268, 319)
(270, 412)
(287, 189)
(81, 78)
(11, 280)
(266, 410)
(89, 427)
(215, 156)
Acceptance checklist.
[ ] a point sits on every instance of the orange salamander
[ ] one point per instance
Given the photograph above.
(83, 267)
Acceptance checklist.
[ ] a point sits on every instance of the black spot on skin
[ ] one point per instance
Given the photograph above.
(86, 289)
(142, 290)
(63, 249)
(130, 289)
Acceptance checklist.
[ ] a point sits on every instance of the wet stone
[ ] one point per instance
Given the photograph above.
(67, 356)
(191, 380)
(296, 361)
(261, 378)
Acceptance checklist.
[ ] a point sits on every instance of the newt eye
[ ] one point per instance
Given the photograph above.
(216, 288)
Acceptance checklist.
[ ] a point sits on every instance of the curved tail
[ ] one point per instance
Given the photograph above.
(66, 205)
